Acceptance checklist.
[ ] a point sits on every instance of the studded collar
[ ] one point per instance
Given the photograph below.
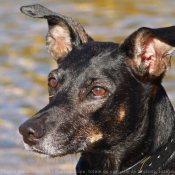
(153, 162)
(148, 165)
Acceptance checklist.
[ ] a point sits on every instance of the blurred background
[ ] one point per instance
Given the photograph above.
(25, 64)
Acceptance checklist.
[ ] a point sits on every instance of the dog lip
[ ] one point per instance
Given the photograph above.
(62, 150)
(39, 151)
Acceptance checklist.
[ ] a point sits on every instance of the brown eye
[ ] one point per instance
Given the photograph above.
(98, 91)
(53, 82)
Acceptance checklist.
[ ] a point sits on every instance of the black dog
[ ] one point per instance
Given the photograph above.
(106, 100)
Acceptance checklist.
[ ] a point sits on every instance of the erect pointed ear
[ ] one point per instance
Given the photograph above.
(64, 32)
(148, 51)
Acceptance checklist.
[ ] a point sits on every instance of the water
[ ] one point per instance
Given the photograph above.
(25, 65)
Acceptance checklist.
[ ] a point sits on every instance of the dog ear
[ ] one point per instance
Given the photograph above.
(148, 51)
(64, 32)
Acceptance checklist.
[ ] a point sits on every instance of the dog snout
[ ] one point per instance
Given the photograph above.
(32, 132)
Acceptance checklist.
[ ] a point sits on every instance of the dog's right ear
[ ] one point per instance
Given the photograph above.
(64, 32)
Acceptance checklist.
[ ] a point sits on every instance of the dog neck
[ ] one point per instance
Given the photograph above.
(161, 124)
(162, 117)
(161, 127)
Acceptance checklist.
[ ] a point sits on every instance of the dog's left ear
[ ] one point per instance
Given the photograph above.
(64, 32)
(148, 51)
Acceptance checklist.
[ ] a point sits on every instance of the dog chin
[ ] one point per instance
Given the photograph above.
(36, 151)
(51, 153)
(48, 150)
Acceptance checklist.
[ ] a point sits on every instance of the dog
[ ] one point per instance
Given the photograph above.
(106, 100)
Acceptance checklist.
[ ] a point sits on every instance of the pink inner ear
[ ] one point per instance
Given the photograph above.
(152, 57)
(59, 42)
(149, 55)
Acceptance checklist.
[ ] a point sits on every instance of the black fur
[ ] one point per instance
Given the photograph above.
(113, 131)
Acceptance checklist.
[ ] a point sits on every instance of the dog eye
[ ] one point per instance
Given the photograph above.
(53, 82)
(98, 91)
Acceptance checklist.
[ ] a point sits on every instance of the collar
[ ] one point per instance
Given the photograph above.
(153, 162)
(148, 165)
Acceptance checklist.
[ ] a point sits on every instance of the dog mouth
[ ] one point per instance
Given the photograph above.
(52, 147)
(49, 150)
(36, 150)
(39, 151)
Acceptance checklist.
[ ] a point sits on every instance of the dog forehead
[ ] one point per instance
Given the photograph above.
(90, 54)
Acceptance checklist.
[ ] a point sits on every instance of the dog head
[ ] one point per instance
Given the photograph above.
(100, 93)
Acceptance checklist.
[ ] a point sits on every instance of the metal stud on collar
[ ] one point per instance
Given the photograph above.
(150, 164)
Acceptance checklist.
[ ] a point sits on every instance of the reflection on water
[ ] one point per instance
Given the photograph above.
(25, 65)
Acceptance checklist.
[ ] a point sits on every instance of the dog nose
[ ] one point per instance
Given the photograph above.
(31, 132)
